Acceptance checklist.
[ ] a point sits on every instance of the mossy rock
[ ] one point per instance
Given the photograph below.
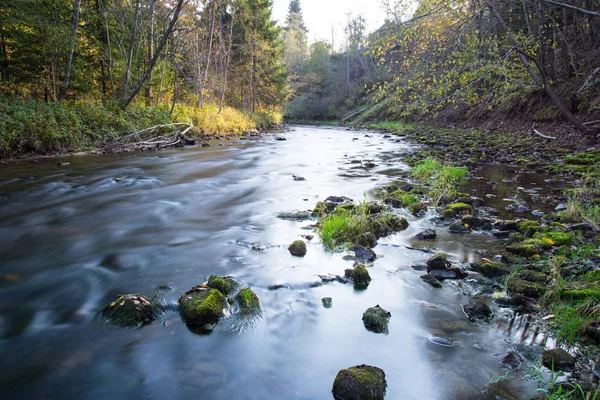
(416, 208)
(225, 284)
(248, 302)
(437, 261)
(533, 276)
(557, 238)
(456, 209)
(359, 275)
(490, 270)
(530, 289)
(367, 240)
(362, 382)
(539, 243)
(523, 250)
(585, 292)
(297, 248)
(558, 360)
(132, 310)
(376, 319)
(528, 228)
(201, 307)
(320, 209)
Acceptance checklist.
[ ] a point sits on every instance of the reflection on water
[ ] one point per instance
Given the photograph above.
(75, 236)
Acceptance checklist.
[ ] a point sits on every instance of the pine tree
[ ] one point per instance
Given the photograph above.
(295, 16)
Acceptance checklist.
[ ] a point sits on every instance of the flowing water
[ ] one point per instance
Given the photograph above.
(76, 235)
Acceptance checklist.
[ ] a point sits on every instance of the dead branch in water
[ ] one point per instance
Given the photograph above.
(146, 139)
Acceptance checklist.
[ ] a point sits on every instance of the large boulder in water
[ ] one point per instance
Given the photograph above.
(201, 307)
(247, 302)
(363, 253)
(225, 284)
(361, 382)
(437, 261)
(359, 275)
(132, 310)
(558, 359)
(376, 319)
(478, 311)
(298, 248)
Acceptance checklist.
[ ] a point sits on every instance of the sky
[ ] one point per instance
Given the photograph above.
(321, 15)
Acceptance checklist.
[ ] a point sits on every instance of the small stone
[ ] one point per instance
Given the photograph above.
(427, 234)
(448, 273)
(433, 281)
(558, 360)
(359, 276)
(478, 311)
(327, 302)
(362, 382)
(441, 341)
(459, 228)
(280, 138)
(225, 284)
(376, 319)
(297, 248)
(205, 144)
(277, 286)
(132, 310)
(363, 253)
(298, 178)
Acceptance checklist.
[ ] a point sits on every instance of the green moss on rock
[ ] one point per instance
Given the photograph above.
(490, 270)
(201, 307)
(523, 250)
(362, 382)
(132, 310)
(248, 302)
(456, 209)
(359, 275)
(558, 238)
(376, 319)
(530, 289)
(225, 284)
(297, 248)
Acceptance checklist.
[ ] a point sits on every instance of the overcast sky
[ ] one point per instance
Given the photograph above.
(321, 15)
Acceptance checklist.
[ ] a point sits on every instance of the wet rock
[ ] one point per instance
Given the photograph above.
(472, 222)
(456, 209)
(490, 270)
(298, 248)
(523, 250)
(449, 273)
(333, 201)
(418, 209)
(298, 178)
(427, 234)
(534, 290)
(561, 207)
(247, 302)
(407, 188)
(458, 228)
(519, 303)
(225, 284)
(295, 215)
(558, 360)
(384, 225)
(432, 280)
(593, 331)
(588, 230)
(280, 138)
(419, 267)
(327, 302)
(506, 225)
(478, 311)
(488, 211)
(132, 310)
(367, 240)
(359, 275)
(362, 382)
(501, 234)
(201, 307)
(441, 341)
(513, 360)
(437, 261)
(278, 286)
(376, 319)
(363, 253)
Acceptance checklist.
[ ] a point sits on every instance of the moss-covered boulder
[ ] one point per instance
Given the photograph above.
(459, 228)
(489, 269)
(132, 310)
(418, 208)
(224, 284)
(247, 302)
(523, 250)
(387, 224)
(556, 238)
(298, 248)
(201, 307)
(362, 382)
(376, 319)
(534, 290)
(558, 360)
(457, 209)
(477, 310)
(359, 275)
(367, 240)
(437, 261)
(529, 228)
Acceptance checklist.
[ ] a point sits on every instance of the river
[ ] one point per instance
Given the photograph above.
(76, 235)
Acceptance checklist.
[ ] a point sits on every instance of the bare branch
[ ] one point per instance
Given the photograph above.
(578, 9)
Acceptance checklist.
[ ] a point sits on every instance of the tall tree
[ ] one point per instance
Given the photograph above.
(67, 80)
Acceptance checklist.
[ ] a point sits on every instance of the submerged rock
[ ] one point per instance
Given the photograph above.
(247, 301)
(427, 234)
(432, 280)
(449, 273)
(363, 253)
(298, 248)
(558, 360)
(376, 319)
(295, 215)
(327, 302)
(441, 341)
(359, 275)
(200, 307)
(225, 284)
(478, 311)
(362, 382)
(132, 310)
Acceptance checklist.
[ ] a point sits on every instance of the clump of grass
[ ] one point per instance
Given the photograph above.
(555, 390)
(443, 179)
(339, 228)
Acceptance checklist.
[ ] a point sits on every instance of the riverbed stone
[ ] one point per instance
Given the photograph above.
(327, 302)
(448, 273)
(367, 240)
(223, 284)
(432, 280)
(489, 269)
(363, 253)
(376, 319)
(524, 250)
(298, 248)
(427, 234)
(247, 302)
(458, 228)
(478, 311)
(359, 275)
(558, 360)
(132, 310)
(201, 307)
(456, 209)
(362, 382)
(437, 261)
(534, 290)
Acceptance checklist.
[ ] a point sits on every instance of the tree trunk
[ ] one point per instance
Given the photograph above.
(110, 75)
(210, 43)
(226, 71)
(162, 43)
(63, 89)
(150, 51)
(130, 53)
